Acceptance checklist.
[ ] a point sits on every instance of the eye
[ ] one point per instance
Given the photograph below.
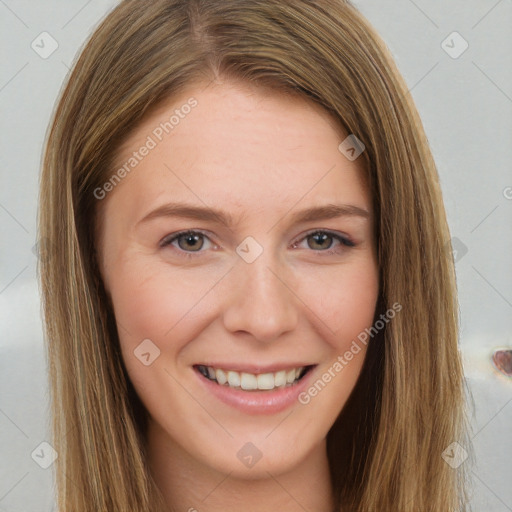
(188, 242)
(322, 241)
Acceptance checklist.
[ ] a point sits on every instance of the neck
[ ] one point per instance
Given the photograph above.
(189, 485)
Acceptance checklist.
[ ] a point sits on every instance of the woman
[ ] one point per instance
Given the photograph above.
(205, 347)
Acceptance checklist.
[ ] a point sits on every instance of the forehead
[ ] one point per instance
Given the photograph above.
(241, 147)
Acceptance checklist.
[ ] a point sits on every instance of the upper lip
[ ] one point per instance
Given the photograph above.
(255, 368)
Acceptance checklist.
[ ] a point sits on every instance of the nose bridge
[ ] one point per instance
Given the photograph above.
(260, 301)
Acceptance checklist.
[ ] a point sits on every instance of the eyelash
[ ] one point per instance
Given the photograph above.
(344, 241)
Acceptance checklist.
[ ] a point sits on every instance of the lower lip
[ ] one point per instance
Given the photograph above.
(257, 402)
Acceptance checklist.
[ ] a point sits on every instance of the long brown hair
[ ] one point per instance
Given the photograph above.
(386, 448)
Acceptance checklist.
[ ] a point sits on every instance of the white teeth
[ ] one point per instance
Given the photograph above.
(280, 379)
(234, 379)
(265, 381)
(221, 377)
(250, 381)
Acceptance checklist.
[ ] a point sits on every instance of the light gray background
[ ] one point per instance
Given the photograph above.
(466, 107)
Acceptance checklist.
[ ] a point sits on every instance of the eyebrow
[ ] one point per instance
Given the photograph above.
(316, 213)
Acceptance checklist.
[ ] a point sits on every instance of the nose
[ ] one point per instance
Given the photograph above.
(260, 301)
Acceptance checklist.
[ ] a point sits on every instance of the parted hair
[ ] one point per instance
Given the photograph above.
(386, 447)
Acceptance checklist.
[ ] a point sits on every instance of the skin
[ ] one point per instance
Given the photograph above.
(262, 156)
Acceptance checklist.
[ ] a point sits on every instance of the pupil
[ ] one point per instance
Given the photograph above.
(190, 239)
(320, 235)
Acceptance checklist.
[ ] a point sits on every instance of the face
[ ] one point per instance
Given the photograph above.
(217, 271)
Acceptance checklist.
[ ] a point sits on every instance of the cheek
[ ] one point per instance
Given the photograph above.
(148, 297)
(346, 309)
(171, 305)
(343, 299)
(154, 301)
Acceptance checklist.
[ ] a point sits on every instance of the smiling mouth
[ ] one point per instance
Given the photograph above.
(251, 381)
